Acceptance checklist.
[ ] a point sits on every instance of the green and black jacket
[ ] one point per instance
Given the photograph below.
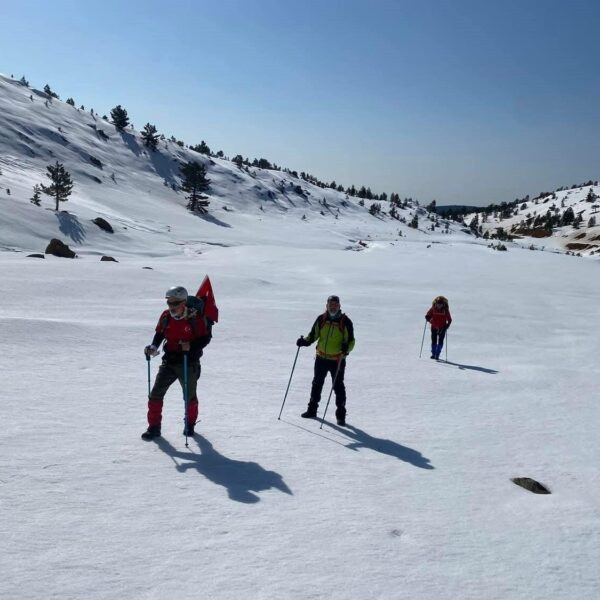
(330, 333)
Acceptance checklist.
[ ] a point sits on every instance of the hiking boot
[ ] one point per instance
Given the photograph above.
(152, 432)
(188, 430)
(341, 421)
(309, 414)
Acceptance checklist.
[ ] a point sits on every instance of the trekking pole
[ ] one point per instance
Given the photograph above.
(446, 345)
(423, 340)
(185, 396)
(148, 361)
(288, 385)
(340, 359)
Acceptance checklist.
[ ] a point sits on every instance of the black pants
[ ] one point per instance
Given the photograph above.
(437, 336)
(170, 373)
(322, 367)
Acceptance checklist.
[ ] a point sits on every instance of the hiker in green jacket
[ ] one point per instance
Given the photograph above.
(334, 333)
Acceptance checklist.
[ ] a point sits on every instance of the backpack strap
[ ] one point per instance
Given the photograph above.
(164, 322)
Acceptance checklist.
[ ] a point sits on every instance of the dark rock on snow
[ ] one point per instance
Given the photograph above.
(103, 224)
(531, 485)
(58, 248)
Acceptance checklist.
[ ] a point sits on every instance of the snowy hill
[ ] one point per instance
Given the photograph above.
(567, 219)
(137, 191)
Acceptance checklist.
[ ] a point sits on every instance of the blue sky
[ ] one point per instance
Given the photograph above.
(463, 101)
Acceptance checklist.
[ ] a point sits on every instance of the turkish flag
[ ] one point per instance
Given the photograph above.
(205, 292)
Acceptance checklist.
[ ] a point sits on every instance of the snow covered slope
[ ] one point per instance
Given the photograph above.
(135, 189)
(575, 225)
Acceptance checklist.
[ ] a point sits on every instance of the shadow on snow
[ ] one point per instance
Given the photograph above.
(69, 225)
(361, 439)
(470, 367)
(211, 219)
(242, 479)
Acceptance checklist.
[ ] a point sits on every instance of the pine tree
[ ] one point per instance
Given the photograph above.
(61, 183)
(201, 148)
(568, 217)
(194, 182)
(238, 160)
(415, 222)
(24, 81)
(119, 117)
(591, 197)
(50, 93)
(36, 198)
(150, 136)
(71, 101)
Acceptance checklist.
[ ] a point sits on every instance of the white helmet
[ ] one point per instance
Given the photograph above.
(178, 292)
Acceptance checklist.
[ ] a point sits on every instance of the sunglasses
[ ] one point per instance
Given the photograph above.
(174, 302)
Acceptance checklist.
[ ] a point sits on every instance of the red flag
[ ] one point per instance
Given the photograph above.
(205, 292)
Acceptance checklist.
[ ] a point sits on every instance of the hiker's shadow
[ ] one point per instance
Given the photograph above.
(471, 367)
(361, 439)
(242, 479)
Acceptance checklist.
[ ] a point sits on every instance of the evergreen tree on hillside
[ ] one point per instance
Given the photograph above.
(591, 197)
(50, 93)
(263, 163)
(238, 159)
(375, 208)
(24, 81)
(61, 183)
(36, 198)
(194, 182)
(150, 136)
(568, 217)
(70, 101)
(119, 117)
(201, 148)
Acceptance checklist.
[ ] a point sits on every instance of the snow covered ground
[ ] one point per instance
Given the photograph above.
(412, 500)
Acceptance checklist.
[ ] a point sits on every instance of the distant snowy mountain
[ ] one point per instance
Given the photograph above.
(567, 219)
(137, 191)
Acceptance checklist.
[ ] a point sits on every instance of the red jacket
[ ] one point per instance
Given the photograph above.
(438, 318)
(192, 329)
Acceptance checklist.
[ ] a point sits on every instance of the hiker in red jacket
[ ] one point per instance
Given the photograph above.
(439, 317)
(185, 331)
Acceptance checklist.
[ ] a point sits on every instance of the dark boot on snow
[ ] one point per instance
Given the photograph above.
(152, 432)
(309, 414)
(188, 430)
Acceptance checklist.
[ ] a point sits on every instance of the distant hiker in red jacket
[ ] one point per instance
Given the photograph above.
(439, 317)
(185, 330)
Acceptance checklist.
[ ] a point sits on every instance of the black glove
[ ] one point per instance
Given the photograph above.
(428, 319)
(302, 342)
(447, 326)
(345, 347)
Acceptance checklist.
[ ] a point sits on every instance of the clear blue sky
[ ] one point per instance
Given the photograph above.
(464, 101)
